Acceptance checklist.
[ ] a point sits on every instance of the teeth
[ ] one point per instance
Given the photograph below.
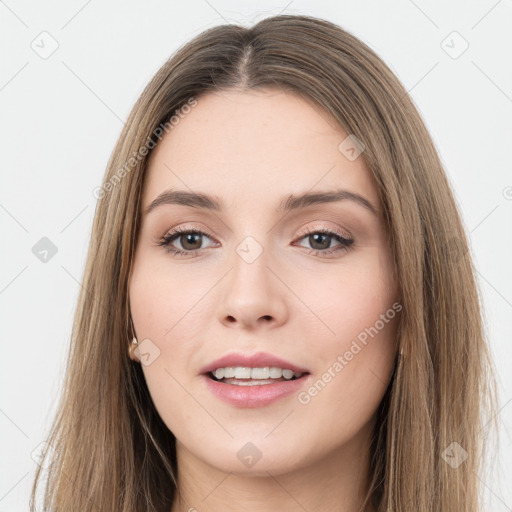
(287, 374)
(244, 372)
(275, 373)
(241, 372)
(251, 382)
(260, 373)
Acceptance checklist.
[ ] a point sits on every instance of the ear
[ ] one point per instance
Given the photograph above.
(131, 352)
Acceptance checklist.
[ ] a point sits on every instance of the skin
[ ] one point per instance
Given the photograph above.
(251, 150)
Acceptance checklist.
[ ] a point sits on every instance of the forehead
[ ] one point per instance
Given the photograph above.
(255, 145)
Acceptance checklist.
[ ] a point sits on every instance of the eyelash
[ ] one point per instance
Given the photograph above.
(345, 242)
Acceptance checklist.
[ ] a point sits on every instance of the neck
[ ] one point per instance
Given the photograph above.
(337, 482)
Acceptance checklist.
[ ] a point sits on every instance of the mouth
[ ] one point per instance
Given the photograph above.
(253, 380)
(246, 376)
(245, 387)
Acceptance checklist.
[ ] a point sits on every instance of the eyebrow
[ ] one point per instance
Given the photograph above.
(205, 201)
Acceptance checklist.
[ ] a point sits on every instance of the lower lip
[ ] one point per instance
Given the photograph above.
(254, 396)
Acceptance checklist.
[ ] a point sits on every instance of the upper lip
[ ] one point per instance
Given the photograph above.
(258, 360)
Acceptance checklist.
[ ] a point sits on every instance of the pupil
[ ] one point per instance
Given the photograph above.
(313, 240)
(191, 235)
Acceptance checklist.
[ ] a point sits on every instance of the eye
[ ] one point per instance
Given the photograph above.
(190, 240)
(320, 241)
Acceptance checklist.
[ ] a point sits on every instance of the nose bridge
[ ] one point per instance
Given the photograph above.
(252, 292)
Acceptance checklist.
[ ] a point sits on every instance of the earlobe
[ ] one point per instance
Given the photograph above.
(133, 343)
(131, 350)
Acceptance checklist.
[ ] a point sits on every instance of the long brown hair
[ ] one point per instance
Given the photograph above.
(110, 449)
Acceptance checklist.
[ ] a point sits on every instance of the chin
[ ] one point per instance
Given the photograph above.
(255, 458)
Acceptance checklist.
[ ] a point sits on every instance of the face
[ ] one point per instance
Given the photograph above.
(305, 285)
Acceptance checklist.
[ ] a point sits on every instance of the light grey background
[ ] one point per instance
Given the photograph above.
(61, 115)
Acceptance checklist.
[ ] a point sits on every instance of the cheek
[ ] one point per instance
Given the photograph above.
(354, 364)
(166, 309)
(348, 301)
(354, 342)
(165, 301)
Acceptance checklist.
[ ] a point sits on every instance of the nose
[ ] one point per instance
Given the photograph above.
(252, 296)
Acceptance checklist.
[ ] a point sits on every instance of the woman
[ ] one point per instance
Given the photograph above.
(277, 246)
